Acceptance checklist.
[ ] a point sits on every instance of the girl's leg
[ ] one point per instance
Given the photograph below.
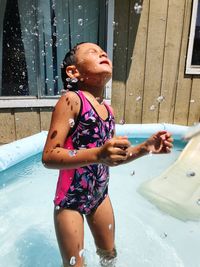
(102, 225)
(70, 233)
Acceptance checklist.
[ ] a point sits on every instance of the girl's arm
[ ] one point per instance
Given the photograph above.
(161, 142)
(57, 157)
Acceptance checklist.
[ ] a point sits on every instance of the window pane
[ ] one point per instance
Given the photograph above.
(17, 45)
(196, 47)
(35, 38)
(71, 22)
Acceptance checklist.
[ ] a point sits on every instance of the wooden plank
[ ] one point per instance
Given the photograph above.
(154, 59)
(7, 126)
(194, 110)
(120, 57)
(135, 81)
(27, 122)
(171, 60)
(184, 82)
(45, 119)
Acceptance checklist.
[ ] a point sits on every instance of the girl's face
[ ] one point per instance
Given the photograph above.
(93, 64)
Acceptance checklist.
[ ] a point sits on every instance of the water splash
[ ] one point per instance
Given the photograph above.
(71, 122)
(190, 173)
(72, 261)
(152, 107)
(160, 99)
(72, 153)
(138, 98)
(138, 8)
(80, 22)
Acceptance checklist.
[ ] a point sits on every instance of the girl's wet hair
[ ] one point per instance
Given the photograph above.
(69, 59)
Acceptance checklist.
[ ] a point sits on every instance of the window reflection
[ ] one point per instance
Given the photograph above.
(196, 46)
(35, 37)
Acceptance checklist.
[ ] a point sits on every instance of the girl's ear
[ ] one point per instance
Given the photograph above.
(72, 72)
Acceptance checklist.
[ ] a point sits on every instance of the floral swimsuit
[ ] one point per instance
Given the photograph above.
(83, 189)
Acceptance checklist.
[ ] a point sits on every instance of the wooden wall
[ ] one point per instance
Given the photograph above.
(18, 123)
(149, 84)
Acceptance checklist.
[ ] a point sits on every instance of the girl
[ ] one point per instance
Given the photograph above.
(81, 144)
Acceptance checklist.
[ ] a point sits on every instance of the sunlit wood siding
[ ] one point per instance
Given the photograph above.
(149, 81)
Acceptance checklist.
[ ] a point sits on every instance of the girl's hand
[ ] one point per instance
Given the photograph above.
(113, 152)
(161, 142)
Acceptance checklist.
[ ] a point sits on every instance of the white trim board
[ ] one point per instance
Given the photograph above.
(192, 69)
(27, 103)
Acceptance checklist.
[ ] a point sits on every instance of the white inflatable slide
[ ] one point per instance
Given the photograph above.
(177, 190)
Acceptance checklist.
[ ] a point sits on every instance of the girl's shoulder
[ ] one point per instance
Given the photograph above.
(69, 101)
(71, 95)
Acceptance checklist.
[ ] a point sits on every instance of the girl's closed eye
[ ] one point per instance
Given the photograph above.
(91, 51)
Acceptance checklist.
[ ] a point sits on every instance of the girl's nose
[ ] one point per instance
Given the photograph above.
(103, 54)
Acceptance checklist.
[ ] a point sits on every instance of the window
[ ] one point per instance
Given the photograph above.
(193, 56)
(35, 36)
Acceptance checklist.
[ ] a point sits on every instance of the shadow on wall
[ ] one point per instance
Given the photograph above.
(127, 18)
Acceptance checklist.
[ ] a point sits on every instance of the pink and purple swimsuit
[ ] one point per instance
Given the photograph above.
(83, 189)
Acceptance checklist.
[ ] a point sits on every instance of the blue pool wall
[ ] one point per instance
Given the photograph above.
(13, 153)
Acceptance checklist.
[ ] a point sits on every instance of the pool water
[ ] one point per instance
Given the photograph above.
(145, 236)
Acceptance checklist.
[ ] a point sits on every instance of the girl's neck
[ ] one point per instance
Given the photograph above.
(95, 92)
(93, 95)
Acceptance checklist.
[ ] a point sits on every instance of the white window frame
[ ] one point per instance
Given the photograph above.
(110, 19)
(192, 69)
(50, 101)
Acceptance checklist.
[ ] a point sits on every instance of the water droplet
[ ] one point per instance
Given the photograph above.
(133, 173)
(138, 98)
(80, 7)
(110, 226)
(21, 87)
(34, 8)
(81, 253)
(150, 153)
(164, 235)
(71, 122)
(72, 153)
(160, 98)
(57, 207)
(80, 22)
(63, 91)
(137, 8)
(72, 261)
(190, 173)
(152, 107)
(74, 80)
(122, 121)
